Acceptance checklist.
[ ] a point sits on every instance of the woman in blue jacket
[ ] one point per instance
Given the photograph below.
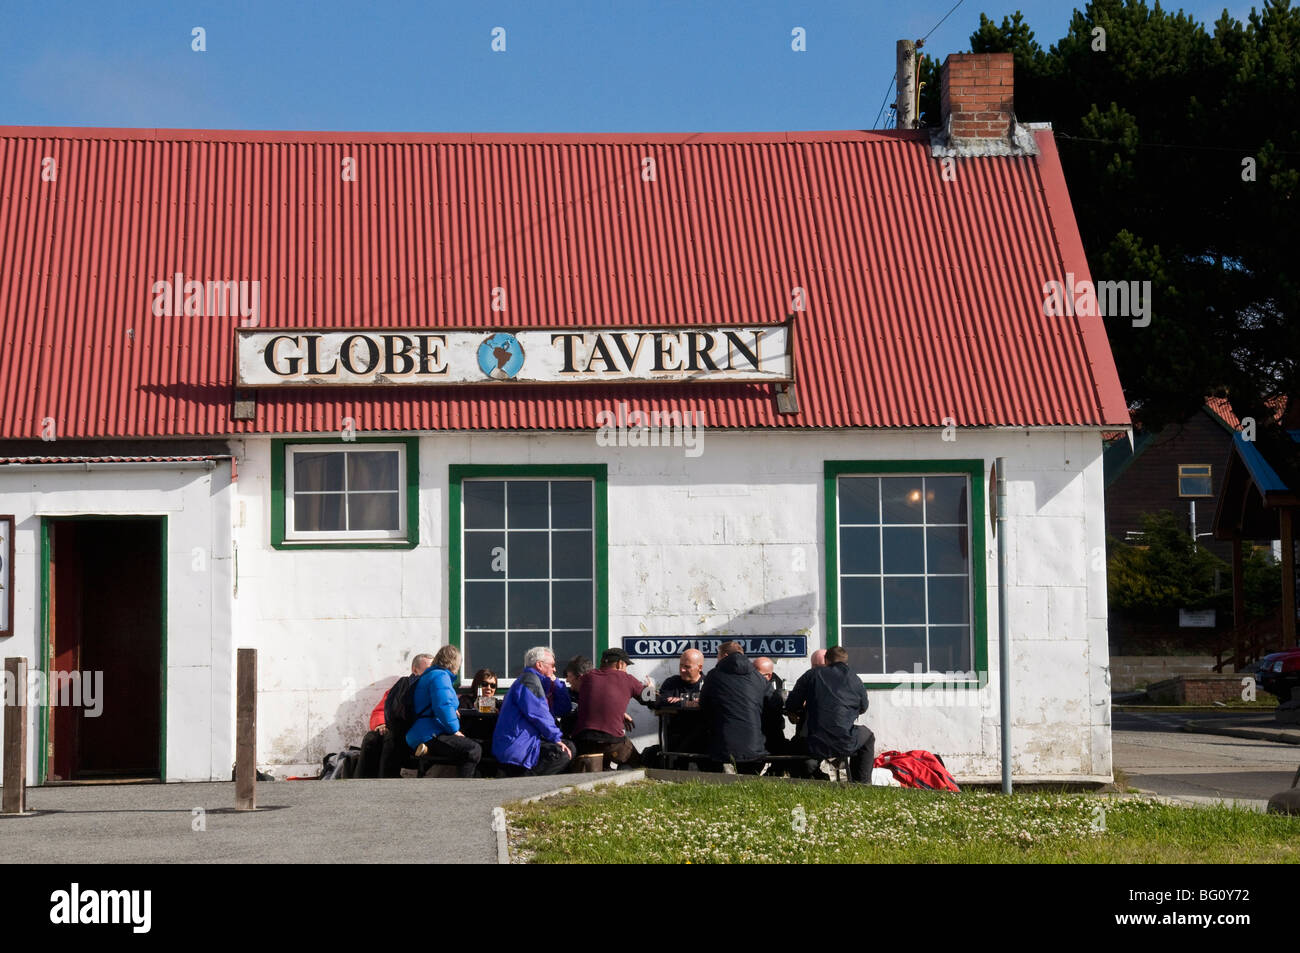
(436, 734)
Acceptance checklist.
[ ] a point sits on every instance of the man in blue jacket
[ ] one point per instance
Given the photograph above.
(436, 731)
(527, 739)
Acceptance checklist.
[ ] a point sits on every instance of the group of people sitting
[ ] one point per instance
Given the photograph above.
(732, 716)
(737, 714)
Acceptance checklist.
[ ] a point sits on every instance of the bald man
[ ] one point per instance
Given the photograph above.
(685, 686)
(685, 731)
(818, 659)
(773, 705)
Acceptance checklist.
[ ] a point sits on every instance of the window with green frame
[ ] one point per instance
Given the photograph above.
(528, 563)
(905, 567)
(354, 494)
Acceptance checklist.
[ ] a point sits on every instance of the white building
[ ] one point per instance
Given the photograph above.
(286, 464)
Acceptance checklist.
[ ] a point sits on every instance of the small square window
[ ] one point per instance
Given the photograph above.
(1194, 479)
(346, 493)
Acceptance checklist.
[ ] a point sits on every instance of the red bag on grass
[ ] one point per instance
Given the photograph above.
(917, 769)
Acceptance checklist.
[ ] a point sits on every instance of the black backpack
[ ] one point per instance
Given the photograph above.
(399, 707)
(341, 765)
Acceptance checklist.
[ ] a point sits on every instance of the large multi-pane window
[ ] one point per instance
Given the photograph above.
(903, 573)
(529, 570)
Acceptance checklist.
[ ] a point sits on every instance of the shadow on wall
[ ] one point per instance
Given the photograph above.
(792, 615)
(350, 723)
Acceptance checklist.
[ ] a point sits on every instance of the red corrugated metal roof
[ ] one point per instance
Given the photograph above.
(1220, 407)
(924, 296)
(56, 461)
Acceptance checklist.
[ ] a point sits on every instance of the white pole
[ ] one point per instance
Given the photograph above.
(1004, 627)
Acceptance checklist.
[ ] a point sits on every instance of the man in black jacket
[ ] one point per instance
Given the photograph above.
(732, 702)
(830, 699)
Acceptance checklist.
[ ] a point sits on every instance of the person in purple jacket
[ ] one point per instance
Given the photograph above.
(527, 739)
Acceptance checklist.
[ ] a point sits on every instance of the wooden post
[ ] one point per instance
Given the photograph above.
(1286, 519)
(1238, 606)
(246, 731)
(905, 104)
(15, 740)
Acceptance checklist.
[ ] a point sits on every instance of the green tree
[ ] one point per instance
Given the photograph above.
(1165, 571)
(1159, 134)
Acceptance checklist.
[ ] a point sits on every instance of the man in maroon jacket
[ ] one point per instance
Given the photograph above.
(603, 696)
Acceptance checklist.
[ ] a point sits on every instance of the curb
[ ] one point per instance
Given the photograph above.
(1257, 805)
(1279, 735)
(1190, 709)
(502, 827)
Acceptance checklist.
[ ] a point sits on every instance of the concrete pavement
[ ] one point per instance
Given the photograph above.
(1159, 753)
(391, 821)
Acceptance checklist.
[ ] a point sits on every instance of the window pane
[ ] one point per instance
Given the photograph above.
(1194, 480)
(950, 649)
(946, 549)
(317, 512)
(518, 642)
(865, 646)
(566, 645)
(526, 503)
(904, 600)
(485, 605)
(373, 511)
(904, 549)
(571, 606)
(860, 600)
(905, 650)
(859, 550)
(479, 556)
(317, 471)
(948, 600)
(945, 499)
(529, 605)
(372, 470)
(484, 504)
(571, 504)
(901, 499)
(528, 555)
(571, 555)
(485, 650)
(859, 500)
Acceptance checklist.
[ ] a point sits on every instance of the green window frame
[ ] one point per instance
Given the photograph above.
(279, 461)
(457, 475)
(973, 470)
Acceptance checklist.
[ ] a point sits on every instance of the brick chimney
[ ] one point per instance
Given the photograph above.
(976, 98)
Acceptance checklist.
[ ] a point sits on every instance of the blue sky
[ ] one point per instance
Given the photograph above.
(569, 66)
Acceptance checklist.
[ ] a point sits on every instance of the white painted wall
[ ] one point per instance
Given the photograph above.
(704, 545)
(199, 655)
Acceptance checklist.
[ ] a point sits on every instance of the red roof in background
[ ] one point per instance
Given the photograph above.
(924, 295)
(1220, 407)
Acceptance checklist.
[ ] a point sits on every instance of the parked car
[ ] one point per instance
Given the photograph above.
(1279, 673)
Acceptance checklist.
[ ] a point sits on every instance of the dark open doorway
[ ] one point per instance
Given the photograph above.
(106, 597)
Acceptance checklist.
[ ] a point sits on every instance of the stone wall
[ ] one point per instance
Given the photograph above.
(1196, 690)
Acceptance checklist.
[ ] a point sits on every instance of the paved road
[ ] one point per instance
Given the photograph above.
(1158, 756)
(397, 821)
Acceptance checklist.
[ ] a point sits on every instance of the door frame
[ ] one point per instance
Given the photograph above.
(47, 643)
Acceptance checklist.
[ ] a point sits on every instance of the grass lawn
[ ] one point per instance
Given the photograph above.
(766, 822)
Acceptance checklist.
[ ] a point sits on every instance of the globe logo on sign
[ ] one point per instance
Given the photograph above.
(501, 356)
